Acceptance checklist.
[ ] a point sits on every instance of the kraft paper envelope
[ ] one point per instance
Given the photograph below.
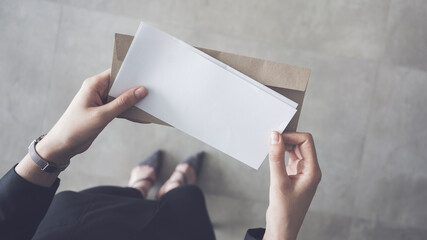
(290, 81)
(202, 96)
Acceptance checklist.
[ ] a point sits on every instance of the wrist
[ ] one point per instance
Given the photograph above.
(52, 151)
(28, 170)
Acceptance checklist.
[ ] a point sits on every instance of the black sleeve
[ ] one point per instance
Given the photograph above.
(22, 205)
(255, 234)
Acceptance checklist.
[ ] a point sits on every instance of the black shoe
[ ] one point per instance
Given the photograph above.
(195, 161)
(154, 161)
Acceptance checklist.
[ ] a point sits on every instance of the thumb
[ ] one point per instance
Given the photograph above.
(125, 101)
(276, 158)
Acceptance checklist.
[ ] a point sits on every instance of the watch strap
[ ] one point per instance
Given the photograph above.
(44, 165)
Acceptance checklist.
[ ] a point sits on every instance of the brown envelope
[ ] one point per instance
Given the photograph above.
(290, 81)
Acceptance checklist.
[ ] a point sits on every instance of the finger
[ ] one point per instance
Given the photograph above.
(276, 158)
(104, 76)
(296, 138)
(98, 83)
(304, 140)
(292, 155)
(98, 80)
(292, 162)
(103, 84)
(291, 170)
(124, 102)
(304, 149)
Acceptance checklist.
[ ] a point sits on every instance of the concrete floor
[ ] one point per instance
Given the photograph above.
(365, 103)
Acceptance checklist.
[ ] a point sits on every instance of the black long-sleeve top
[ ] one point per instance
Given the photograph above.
(23, 205)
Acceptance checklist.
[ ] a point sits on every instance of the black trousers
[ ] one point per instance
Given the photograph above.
(181, 214)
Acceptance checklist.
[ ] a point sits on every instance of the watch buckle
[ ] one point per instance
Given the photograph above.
(45, 166)
(50, 168)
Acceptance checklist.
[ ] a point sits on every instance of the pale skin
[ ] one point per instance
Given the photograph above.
(292, 187)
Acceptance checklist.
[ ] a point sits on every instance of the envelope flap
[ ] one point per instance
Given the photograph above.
(269, 73)
(122, 43)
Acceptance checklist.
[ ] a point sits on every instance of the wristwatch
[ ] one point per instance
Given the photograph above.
(44, 165)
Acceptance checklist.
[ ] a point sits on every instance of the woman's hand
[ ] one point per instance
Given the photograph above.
(85, 118)
(292, 187)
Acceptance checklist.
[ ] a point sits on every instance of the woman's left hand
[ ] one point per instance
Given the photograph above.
(85, 118)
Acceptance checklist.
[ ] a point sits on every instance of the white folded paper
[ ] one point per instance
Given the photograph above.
(203, 97)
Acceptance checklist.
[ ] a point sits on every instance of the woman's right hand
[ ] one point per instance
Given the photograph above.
(292, 187)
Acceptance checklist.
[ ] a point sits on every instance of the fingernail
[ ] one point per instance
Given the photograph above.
(140, 92)
(274, 138)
